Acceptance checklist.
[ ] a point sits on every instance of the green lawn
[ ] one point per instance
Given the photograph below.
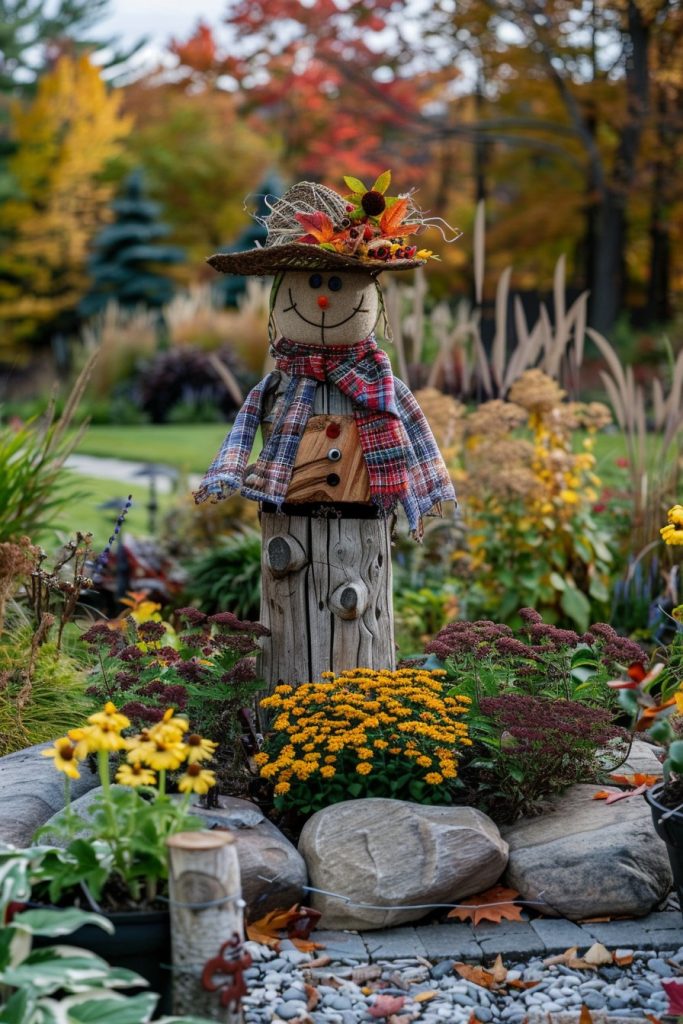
(189, 447)
(82, 512)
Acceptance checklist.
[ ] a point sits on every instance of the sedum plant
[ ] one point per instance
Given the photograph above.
(364, 733)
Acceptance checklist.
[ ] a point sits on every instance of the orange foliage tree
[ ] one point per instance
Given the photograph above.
(65, 138)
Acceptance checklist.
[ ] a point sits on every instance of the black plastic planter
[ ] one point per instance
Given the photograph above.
(141, 943)
(669, 827)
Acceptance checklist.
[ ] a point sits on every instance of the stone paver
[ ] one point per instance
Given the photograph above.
(558, 934)
(393, 944)
(656, 931)
(511, 938)
(341, 944)
(443, 940)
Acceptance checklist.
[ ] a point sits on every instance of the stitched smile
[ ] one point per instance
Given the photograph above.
(314, 323)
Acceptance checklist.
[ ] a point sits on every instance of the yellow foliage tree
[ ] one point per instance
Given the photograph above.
(65, 138)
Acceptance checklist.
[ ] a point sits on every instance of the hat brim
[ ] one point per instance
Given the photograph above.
(298, 256)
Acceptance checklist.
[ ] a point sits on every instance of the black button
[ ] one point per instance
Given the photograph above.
(334, 455)
(332, 479)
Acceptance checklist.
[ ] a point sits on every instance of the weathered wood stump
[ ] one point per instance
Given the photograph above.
(207, 911)
(326, 596)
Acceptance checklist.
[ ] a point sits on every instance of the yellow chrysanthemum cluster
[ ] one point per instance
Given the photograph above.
(163, 747)
(362, 721)
(672, 533)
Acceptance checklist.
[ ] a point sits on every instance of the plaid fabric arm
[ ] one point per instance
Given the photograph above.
(224, 475)
(430, 481)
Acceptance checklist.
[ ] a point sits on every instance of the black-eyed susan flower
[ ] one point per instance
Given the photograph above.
(110, 718)
(199, 749)
(64, 755)
(672, 533)
(196, 780)
(135, 775)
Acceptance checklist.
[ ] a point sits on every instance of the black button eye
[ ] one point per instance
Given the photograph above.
(334, 284)
(315, 280)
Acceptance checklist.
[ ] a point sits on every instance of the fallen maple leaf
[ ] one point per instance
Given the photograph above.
(383, 1006)
(598, 955)
(493, 905)
(637, 779)
(494, 979)
(674, 990)
(295, 922)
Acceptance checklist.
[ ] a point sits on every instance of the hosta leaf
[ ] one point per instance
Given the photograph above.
(107, 1008)
(53, 923)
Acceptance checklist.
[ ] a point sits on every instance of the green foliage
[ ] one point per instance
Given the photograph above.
(59, 983)
(419, 614)
(228, 576)
(38, 704)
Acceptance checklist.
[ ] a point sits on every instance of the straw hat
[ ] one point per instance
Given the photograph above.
(312, 227)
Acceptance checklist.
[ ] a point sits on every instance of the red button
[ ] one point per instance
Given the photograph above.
(333, 430)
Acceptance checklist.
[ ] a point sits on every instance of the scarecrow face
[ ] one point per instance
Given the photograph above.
(329, 307)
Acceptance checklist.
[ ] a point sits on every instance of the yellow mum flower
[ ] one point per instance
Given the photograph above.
(433, 778)
(64, 755)
(364, 768)
(364, 753)
(327, 771)
(199, 749)
(261, 758)
(135, 775)
(196, 780)
(110, 718)
(268, 771)
(282, 788)
(424, 761)
(380, 744)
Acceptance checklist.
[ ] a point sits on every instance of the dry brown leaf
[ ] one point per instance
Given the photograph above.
(598, 955)
(623, 961)
(570, 959)
(498, 971)
(322, 961)
(585, 1017)
(366, 973)
(594, 920)
(312, 997)
(494, 979)
(495, 904)
(296, 922)
(477, 975)
(424, 997)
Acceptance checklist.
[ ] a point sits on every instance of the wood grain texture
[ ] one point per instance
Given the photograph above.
(314, 469)
(308, 636)
(203, 867)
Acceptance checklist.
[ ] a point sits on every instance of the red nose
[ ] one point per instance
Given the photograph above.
(323, 301)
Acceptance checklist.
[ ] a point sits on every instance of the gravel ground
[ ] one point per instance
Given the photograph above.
(282, 987)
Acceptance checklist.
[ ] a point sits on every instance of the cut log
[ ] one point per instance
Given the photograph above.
(334, 611)
(207, 911)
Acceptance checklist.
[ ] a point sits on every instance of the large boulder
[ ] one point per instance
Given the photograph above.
(31, 791)
(390, 853)
(273, 873)
(588, 858)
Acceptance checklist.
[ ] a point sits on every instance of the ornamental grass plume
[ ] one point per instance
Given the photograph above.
(364, 733)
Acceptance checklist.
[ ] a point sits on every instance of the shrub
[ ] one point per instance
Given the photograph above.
(185, 376)
(364, 733)
(533, 747)
(485, 658)
(228, 576)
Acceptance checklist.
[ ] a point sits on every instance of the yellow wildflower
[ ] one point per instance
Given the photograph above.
(199, 749)
(157, 753)
(110, 718)
(64, 754)
(196, 780)
(135, 775)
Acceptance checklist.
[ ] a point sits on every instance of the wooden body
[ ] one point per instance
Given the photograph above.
(329, 606)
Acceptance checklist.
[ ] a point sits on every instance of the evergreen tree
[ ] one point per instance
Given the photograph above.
(128, 252)
(229, 288)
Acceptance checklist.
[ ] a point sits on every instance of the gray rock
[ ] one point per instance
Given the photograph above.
(441, 969)
(287, 1011)
(588, 858)
(31, 791)
(391, 852)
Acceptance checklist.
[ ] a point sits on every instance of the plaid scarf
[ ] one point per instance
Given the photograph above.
(401, 455)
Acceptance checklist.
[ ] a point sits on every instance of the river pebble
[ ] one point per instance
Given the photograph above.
(280, 987)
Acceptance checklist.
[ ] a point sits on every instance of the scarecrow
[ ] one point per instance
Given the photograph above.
(344, 441)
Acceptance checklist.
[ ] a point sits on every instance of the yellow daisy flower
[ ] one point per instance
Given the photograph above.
(135, 775)
(199, 749)
(110, 719)
(196, 780)
(64, 755)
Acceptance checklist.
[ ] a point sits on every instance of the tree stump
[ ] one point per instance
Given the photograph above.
(326, 596)
(203, 869)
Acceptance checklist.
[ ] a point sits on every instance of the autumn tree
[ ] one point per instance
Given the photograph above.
(65, 138)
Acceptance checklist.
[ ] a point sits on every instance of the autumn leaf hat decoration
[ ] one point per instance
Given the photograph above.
(312, 227)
